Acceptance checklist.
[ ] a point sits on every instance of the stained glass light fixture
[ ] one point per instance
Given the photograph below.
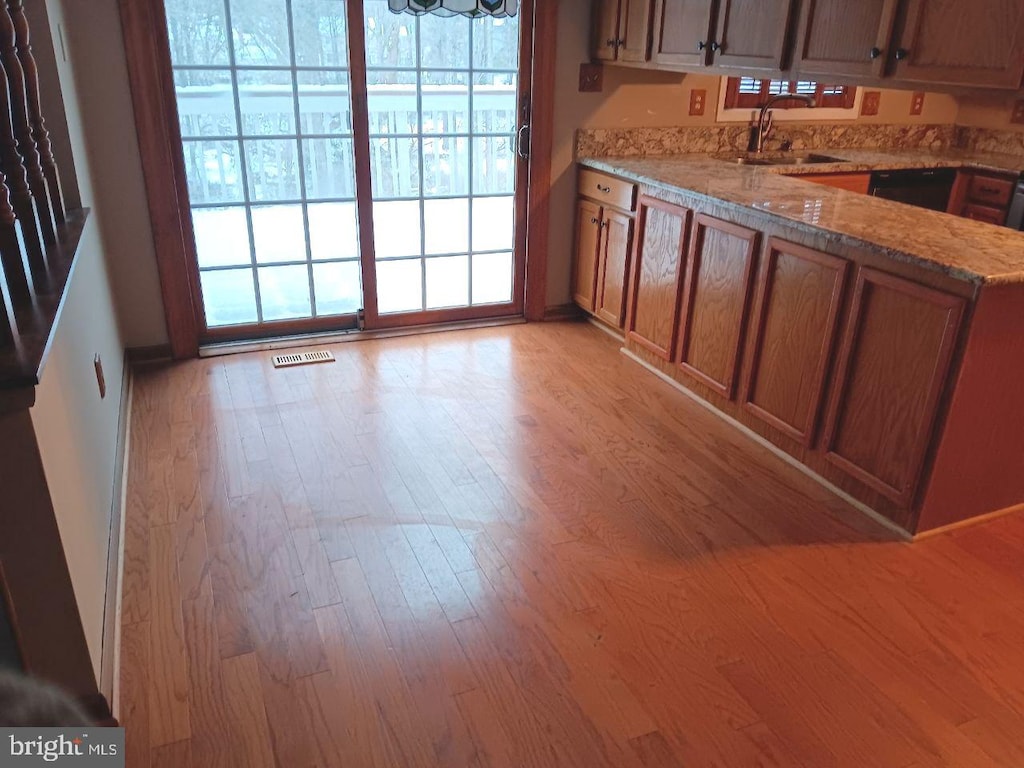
(456, 7)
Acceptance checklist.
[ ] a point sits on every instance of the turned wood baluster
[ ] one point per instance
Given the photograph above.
(10, 252)
(17, 183)
(22, 128)
(35, 110)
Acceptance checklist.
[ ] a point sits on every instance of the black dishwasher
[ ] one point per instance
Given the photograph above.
(923, 187)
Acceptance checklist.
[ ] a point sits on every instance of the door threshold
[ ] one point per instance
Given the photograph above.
(337, 337)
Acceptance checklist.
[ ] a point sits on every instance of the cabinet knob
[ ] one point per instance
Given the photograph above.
(701, 45)
(593, 219)
(611, 42)
(901, 54)
(875, 52)
(606, 190)
(715, 46)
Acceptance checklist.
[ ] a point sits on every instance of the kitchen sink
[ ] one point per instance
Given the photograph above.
(788, 158)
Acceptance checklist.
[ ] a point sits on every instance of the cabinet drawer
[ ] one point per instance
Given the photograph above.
(984, 213)
(607, 189)
(991, 191)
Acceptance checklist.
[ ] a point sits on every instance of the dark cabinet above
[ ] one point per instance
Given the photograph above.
(947, 44)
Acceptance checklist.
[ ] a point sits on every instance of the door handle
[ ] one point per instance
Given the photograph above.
(523, 142)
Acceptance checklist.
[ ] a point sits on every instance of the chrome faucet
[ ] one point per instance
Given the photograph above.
(764, 120)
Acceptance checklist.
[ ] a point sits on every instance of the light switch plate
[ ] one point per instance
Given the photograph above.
(591, 78)
(870, 103)
(917, 103)
(1017, 116)
(698, 101)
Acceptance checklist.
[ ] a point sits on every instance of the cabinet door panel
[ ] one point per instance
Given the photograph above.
(680, 28)
(753, 33)
(837, 38)
(896, 357)
(654, 289)
(606, 30)
(716, 301)
(588, 233)
(793, 337)
(635, 30)
(616, 243)
(962, 43)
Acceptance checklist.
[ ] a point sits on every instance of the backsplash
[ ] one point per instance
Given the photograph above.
(650, 142)
(645, 142)
(990, 140)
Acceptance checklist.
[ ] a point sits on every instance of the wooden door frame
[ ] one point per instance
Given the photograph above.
(148, 58)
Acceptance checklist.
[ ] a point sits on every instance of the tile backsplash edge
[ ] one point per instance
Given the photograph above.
(650, 142)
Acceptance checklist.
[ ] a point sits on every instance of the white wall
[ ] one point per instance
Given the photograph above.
(98, 103)
(77, 431)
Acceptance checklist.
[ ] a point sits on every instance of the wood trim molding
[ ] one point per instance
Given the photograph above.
(541, 142)
(152, 85)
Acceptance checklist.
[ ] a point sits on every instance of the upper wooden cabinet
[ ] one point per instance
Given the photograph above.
(888, 42)
(961, 43)
(683, 32)
(662, 229)
(752, 34)
(893, 368)
(622, 30)
(739, 34)
(837, 38)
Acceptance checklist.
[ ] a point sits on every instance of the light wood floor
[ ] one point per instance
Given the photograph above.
(514, 547)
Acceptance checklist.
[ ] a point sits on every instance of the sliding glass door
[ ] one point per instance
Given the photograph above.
(292, 150)
(443, 101)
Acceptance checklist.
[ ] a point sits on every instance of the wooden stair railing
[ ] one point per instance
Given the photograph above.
(18, 184)
(22, 127)
(35, 111)
(33, 220)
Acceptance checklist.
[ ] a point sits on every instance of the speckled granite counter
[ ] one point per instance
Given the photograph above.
(961, 248)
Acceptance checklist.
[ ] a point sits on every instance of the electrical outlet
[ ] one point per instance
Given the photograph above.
(591, 78)
(698, 101)
(869, 104)
(101, 381)
(1017, 116)
(917, 103)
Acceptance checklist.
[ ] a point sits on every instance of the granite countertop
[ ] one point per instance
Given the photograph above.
(962, 248)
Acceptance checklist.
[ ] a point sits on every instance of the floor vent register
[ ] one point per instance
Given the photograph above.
(303, 358)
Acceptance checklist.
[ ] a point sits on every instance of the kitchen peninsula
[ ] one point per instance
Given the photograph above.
(878, 345)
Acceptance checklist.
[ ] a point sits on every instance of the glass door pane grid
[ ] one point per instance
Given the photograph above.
(245, 199)
(421, 198)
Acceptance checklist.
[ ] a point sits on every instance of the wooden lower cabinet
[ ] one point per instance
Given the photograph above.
(793, 337)
(651, 320)
(716, 298)
(588, 236)
(614, 250)
(895, 360)
(604, 244)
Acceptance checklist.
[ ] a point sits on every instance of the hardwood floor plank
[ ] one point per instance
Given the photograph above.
(514, 547)
(133, 709)
(168, 678)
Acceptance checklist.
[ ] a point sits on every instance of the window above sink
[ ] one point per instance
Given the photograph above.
(738, 97)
